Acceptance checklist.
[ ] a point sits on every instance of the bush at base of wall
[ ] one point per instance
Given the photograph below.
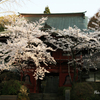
(10, 87)
(83, 91)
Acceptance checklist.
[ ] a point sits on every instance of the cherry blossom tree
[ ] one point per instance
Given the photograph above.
(76, 42)
(24, 45)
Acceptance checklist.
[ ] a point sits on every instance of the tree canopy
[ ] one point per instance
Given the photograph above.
(47, 10)
(4, 21)
(25, 44)
(94, 22)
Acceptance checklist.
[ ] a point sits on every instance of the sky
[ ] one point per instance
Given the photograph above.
(58, 6)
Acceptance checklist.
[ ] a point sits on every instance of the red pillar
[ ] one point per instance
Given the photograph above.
(21, 76)
(60, 75)
(35, 85)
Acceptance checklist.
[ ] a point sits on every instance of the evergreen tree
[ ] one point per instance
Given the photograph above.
(47, 10)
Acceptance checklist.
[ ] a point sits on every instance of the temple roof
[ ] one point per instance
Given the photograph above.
(60, 20)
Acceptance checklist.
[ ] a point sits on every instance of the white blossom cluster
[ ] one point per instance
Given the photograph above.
(23, 44)
(76, 40)
(40, 73)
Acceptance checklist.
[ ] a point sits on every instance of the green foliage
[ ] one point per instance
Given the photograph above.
(23, 95)
(24, 90)
(1, 28)
(47, 10)
(84, 91)
(11, 87)
(96, 86)
(4, 21)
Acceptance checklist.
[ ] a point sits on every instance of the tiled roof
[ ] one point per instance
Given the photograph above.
(61, 21)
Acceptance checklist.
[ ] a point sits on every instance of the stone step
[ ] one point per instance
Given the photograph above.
(43, 96)
(8, 97)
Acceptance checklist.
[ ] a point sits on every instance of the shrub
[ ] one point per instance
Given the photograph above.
(23, 95)
(83, 91)
(96, 86)
(11, 87)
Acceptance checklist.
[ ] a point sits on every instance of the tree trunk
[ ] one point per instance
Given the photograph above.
(74, 67)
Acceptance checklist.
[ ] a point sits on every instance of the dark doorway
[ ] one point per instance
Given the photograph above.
(50, 83)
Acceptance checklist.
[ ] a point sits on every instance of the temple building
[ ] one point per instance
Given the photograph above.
(60, 74)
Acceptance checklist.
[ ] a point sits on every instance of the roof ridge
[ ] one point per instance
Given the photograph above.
(55, 13)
